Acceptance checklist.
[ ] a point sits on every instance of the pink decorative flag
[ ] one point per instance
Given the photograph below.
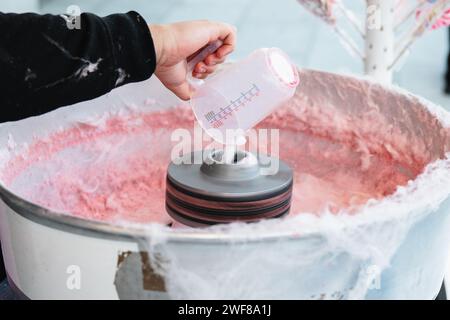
(443, 21)
(435, 18)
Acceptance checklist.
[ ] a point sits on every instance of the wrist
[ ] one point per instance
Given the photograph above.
(158, 39)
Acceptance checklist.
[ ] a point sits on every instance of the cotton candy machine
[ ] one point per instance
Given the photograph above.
(83, 189)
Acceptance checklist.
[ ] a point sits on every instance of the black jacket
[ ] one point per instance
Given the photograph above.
(46, 63)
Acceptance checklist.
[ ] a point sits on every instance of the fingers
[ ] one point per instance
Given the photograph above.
(213, 60)
(208, 66)
(209, 31)
(224, 50)
(183, 41)
(201, 33)
(227, 34)
(228, 44)
(201, 70)
(200, 75)
(224, 32)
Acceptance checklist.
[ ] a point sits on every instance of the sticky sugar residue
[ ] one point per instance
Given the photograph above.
(117, 170)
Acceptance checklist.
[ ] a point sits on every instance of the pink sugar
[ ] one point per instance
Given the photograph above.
(117, 170)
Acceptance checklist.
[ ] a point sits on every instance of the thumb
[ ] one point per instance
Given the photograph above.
(174, 79)
(182, 90)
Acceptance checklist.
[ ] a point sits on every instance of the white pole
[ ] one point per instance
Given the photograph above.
(379, 42)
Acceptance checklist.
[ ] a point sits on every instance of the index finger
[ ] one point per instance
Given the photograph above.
(226, 33)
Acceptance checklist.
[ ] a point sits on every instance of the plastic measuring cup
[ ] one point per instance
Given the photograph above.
(237, 98)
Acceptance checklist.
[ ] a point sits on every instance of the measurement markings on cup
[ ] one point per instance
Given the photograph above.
(216, 119)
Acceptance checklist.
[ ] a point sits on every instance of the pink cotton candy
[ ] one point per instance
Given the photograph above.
(117, 170)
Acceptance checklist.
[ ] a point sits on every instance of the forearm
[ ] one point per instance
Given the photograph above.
(45, 65)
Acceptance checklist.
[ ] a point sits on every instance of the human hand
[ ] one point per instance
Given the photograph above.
(177, 43)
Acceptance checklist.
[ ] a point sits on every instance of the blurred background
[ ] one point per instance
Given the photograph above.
(279, 23)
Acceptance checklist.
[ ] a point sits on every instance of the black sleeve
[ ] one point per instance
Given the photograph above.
(44, 64)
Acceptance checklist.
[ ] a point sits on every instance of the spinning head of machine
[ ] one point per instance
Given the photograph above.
(217, 191)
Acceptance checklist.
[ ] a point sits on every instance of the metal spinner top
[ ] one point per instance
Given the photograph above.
(217, 191)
